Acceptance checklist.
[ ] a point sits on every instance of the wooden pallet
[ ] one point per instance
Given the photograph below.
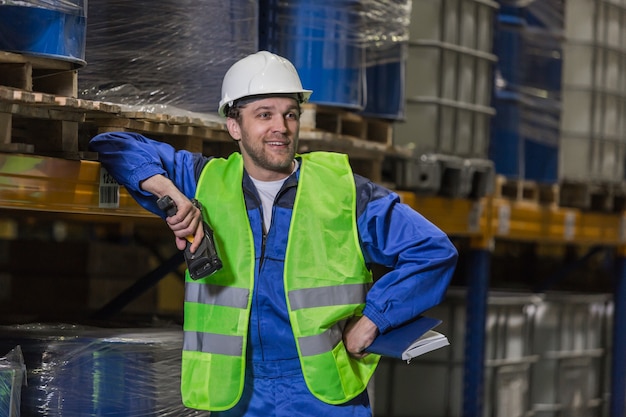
(38, 74)
(59, 126)
(343, 122)
(182, 132)
(45, 124)
(588, 196)
(528, 191)
(601, 197)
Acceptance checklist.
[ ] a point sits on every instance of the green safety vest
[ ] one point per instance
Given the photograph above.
(325, 276)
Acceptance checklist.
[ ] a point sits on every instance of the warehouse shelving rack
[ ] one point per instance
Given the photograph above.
(72, 187)
(486, 221)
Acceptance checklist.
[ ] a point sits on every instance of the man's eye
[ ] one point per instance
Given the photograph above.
(293, 116)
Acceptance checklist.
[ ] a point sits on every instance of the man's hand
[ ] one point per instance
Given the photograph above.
(359, 333)
(186, 222)
(188, 219)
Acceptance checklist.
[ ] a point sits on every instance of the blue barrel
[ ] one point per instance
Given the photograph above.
(321, 39)
(529, 56)
(525, 137)
(508, 46)
(541, 139)
(55, 32)
(385, 77)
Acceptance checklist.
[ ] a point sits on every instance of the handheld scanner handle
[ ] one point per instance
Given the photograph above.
(168, 205)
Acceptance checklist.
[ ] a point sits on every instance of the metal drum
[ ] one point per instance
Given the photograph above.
(321, 39)
(54, 29)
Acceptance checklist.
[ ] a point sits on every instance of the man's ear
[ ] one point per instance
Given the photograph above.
(233, 128)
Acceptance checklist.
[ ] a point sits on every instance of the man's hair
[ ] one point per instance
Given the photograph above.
(234, 111)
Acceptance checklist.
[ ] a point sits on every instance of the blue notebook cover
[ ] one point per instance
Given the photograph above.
(409, 340)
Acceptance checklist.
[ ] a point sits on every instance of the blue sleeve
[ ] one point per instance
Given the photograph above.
(132, 158)
(420, 257)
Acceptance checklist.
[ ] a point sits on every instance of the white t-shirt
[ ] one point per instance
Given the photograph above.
(267, 191)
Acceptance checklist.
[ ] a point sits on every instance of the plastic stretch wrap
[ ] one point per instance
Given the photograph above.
(78, 7)
(170, 52)
(385, 23)
(360, 23)
(12, 376)
(386, 33)
(85, 371)
(529, 43)
(548, 14)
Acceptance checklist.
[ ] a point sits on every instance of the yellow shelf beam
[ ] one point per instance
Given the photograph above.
(458, 217)
(39, 183)
(45, 184)
(497, 218)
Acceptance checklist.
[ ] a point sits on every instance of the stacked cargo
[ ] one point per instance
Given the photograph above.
(167, 56)
(79, 371)
(448, 98)
(435, 380)
(559, 98)
(351, 53)
(545, 356)
(593, 146)
(527, 91)
(571, 343)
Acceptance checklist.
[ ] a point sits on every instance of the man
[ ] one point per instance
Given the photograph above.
(280, 330)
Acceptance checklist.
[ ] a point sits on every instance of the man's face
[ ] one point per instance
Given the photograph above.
(268, 136)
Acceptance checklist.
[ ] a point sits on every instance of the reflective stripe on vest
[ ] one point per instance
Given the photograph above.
(327, 296)
(202, 293)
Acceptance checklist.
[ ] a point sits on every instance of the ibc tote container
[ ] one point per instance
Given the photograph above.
(571, 343)
(594, 93)
(448, 78)
(432, 385)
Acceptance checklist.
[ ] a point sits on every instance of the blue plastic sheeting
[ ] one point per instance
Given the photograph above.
(525, 136)
(321, 40)
(385, 77)
(76, 371)
(43, 32)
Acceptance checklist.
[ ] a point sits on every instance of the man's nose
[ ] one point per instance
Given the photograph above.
(280, 124)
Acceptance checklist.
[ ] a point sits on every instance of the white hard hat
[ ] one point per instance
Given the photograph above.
(260, 73)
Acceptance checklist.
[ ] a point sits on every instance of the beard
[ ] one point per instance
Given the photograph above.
(280, 160)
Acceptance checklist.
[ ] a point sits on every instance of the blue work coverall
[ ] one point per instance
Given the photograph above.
(419, 257)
